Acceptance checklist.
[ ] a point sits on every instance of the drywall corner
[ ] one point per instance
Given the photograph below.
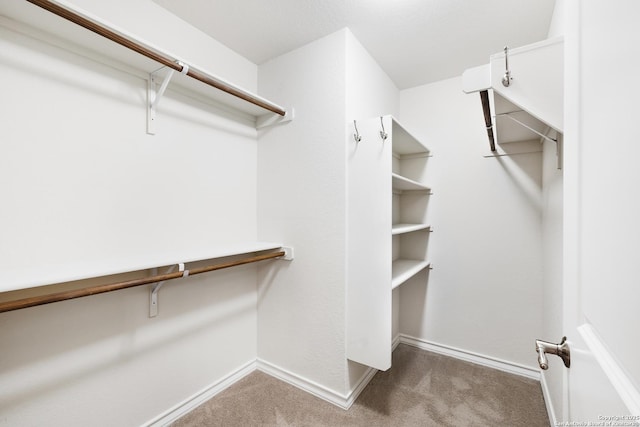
(302, 202)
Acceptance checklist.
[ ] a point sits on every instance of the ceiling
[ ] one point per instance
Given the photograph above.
(414, 41)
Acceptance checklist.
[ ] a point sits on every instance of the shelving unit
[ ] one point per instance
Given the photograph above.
(409, 228)
(388, 232)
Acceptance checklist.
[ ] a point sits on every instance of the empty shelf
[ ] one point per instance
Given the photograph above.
(402, 183)
(405, 269)
(408, 228)
(404, 143)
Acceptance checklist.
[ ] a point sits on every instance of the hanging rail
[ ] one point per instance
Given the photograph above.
(486, 109)
(100, 289)
(155, 55)
(524, 125)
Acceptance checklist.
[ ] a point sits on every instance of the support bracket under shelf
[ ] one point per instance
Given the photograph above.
(557, 140)
(153, 294)
(154, 291)
(155, 95)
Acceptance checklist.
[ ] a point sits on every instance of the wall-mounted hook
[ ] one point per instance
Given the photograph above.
(383, 134)
(356, 135)
(506, 79)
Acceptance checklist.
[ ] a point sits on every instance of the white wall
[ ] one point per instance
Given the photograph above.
(74, 129)
(302, 199)
(108, 176)
(484, 294)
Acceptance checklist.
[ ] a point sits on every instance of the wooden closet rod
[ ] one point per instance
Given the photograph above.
(486, 109)
(155, 55)
(100, 289)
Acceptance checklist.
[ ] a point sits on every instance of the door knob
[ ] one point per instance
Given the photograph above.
(562, 350)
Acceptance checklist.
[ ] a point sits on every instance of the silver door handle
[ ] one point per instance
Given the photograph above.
(562, 350)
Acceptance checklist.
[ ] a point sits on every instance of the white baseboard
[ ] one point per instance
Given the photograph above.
(202, 396)
(340, 400)
(189, 404)
(343, 401)
(548, 402)
(302, 383)
(360, 385)
(395, 342)
(468, 356)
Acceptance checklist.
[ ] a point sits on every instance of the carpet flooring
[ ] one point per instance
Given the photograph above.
(421, 389)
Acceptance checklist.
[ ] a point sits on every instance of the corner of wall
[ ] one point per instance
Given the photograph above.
(370, 91)
(557, 25)
(486, 244)
(302, 203)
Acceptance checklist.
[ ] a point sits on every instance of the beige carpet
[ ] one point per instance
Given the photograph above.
(421, 389)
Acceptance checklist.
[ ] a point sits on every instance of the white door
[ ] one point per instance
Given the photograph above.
(602, 212)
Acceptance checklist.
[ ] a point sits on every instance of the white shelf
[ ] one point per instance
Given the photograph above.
(21, 278)
(408, 228)
(370, 295)
(35, 22)
(401, 183)
(404, 143)
(405, 269)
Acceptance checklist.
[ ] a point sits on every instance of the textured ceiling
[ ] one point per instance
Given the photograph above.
(414, 41)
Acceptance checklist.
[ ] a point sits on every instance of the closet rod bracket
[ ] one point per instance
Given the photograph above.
(272, 119)
(288, 253)
(153, 294)
(154, 291)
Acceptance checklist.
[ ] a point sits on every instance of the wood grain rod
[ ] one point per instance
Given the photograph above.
(100, 289)
(486, 109)
(156, 56)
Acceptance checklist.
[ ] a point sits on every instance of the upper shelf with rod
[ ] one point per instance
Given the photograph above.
(89, 33)
(521, 93)
(255, 252)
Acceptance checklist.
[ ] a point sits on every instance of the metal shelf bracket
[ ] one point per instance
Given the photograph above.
(154, 96)
(153, 295)
(154, 291)
(557, 140)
